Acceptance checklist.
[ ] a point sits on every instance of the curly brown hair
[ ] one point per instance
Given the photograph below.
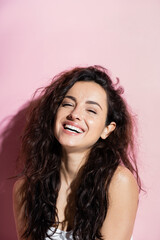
(41, 154)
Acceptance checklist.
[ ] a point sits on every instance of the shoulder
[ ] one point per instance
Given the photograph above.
(123, 202)
(18, 186)
(123, 193)
(123, 182)
(18, 206)
(18, 194)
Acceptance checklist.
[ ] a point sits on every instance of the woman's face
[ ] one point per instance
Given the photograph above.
(81, 117)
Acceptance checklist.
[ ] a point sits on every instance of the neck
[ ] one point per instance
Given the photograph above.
(70, 165)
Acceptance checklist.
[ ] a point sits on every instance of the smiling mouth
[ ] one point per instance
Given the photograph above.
(72, 128)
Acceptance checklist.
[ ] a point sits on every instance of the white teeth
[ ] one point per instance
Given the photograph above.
(73, 128)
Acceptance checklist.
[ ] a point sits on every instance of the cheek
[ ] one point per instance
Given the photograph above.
(55, 128)
(96, 126)
(62, 113)
(58, 116)
(92, 123)
(96, 122)
(56, 124)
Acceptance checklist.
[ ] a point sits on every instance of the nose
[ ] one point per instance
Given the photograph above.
(75, 114)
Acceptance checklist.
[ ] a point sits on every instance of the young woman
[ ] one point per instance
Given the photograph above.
(80, 179)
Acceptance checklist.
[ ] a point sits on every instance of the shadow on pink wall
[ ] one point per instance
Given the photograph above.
(10, 139)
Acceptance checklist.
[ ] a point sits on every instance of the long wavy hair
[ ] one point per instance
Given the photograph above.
(41, 154)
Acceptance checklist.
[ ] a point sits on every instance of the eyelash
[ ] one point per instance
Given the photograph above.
(92, 111)
(70, 105)
(66, 104)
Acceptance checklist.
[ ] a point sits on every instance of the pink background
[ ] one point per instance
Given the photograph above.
(41, 38)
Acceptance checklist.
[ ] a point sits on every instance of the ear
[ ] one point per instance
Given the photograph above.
(108, 129)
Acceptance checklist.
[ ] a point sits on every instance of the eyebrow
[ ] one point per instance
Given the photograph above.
(87, 102)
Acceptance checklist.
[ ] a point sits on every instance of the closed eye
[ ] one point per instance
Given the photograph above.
(92, 111)
(66, 104)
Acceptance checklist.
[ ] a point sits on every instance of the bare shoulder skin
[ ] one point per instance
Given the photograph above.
(123, 203)
(18, 208)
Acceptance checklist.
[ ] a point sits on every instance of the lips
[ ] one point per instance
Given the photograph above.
(73, 127)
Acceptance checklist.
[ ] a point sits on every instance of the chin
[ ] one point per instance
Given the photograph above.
(69, 146)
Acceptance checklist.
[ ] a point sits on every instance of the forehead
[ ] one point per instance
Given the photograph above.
(88, 91)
